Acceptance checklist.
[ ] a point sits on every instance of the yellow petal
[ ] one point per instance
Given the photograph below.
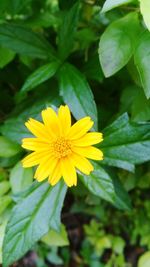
(89, 139)
(35, 144)
(33, 159)
(55, 175)
(37, 128)
(68, 171)
(46, 167)
(65, 118)
(89, 152)
(51, 122)
(80, 128)
(81, 163)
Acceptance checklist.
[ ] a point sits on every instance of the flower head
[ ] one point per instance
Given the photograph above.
(59, 148)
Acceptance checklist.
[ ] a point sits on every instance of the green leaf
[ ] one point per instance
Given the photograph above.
(4, 187)
(14, 127)
(142, 59)
(110, 4)
(8, 148)
(5, 201)
(117, 43)
(20, 178)
(76, 93)
(101, 184)
(2, 232)
(144, 260)
(24, 41)
(39, 76)
(145, 10)
(126, 143)
(31, 218)
(67, 31)
(140, 107)
(16, 6)
(58, 239)
(6, 56)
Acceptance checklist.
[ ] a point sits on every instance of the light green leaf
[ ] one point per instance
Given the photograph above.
(39, 76)
(67, 31)
(4, 187)
(117, 43)
(31, 218)
(126, 143)
(110, 4)
(8, 148)
(101, 184)
(20, 178)
(144, 260)
(58, 239)
(145, 10)
(142, 59)
(23, 41)
(6, 56)
(76, 93)
(2, 232)
(5, 201)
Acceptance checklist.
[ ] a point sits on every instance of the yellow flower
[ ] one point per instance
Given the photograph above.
(59, 148)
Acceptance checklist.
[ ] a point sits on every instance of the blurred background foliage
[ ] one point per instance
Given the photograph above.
(68, 51)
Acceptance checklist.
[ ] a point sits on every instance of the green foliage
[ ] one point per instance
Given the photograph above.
(117, 43)
(74, 96)
(31, 220)
(93, 56)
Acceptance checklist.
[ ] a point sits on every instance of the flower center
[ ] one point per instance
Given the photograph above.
(61, 147)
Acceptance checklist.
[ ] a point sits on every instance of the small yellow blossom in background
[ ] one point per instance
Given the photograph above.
(59, 148)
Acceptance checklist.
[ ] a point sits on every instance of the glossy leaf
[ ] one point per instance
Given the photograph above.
(20, 178)
(37, 213)
(76, 93)
(101, 184)
(24, 41)
(126, 143)
(117, 43)
(110, 4)
(8, 148)
(145, 10)
(67, 31)
(142, 59)
(39, 76)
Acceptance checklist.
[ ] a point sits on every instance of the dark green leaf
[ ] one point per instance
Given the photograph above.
(76, 93)
(14, 127)
(67, 31)
(31, 219)
(39, 76)
(117, 43)
(23, 41)
(101, 184)
(142, 59)
(6, 56)
(126, 143)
